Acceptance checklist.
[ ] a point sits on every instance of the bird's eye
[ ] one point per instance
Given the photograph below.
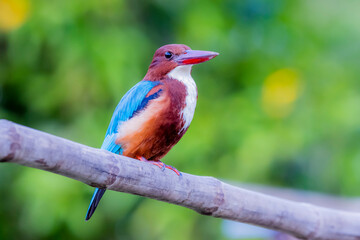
(168, 55)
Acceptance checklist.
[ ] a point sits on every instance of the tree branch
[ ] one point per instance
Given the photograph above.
(325, 200)
(206, 195)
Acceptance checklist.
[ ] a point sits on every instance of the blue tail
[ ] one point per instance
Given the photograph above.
(94, 202)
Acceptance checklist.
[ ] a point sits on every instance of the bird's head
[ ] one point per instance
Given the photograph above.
(170, 56)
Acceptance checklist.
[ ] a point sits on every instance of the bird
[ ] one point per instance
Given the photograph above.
(155, 113)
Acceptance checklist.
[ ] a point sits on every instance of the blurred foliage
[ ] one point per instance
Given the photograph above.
(279, 106)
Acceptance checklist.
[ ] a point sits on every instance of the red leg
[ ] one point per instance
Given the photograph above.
(160, 164)
(174, 169)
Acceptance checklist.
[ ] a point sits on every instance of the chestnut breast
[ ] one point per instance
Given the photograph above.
(152, 132)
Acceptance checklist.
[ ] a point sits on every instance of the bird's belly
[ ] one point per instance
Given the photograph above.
(152, 133)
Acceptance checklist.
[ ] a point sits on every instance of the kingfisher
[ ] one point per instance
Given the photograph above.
(154, 114)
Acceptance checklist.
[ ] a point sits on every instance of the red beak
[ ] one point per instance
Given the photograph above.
(195, 57)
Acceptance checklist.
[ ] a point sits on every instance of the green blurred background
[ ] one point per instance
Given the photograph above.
(280, 106)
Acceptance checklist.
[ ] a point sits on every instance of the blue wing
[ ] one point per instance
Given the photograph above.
(133, 101)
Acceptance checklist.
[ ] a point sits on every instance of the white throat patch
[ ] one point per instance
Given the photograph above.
(183, 74)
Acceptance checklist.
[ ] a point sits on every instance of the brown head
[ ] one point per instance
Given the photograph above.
(170, 56)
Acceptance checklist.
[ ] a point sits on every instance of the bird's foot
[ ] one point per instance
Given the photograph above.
(174, 169)
(161, 165)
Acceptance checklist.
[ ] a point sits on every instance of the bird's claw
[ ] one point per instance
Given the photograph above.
(173, 169)
(161, 165)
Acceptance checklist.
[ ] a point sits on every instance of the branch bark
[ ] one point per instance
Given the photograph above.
(206, 195)
(321, 199)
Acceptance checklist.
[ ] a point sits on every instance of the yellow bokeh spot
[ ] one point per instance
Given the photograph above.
(280, 91)
(13, 13)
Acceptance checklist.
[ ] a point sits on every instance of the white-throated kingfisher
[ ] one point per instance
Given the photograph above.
(154, 114)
